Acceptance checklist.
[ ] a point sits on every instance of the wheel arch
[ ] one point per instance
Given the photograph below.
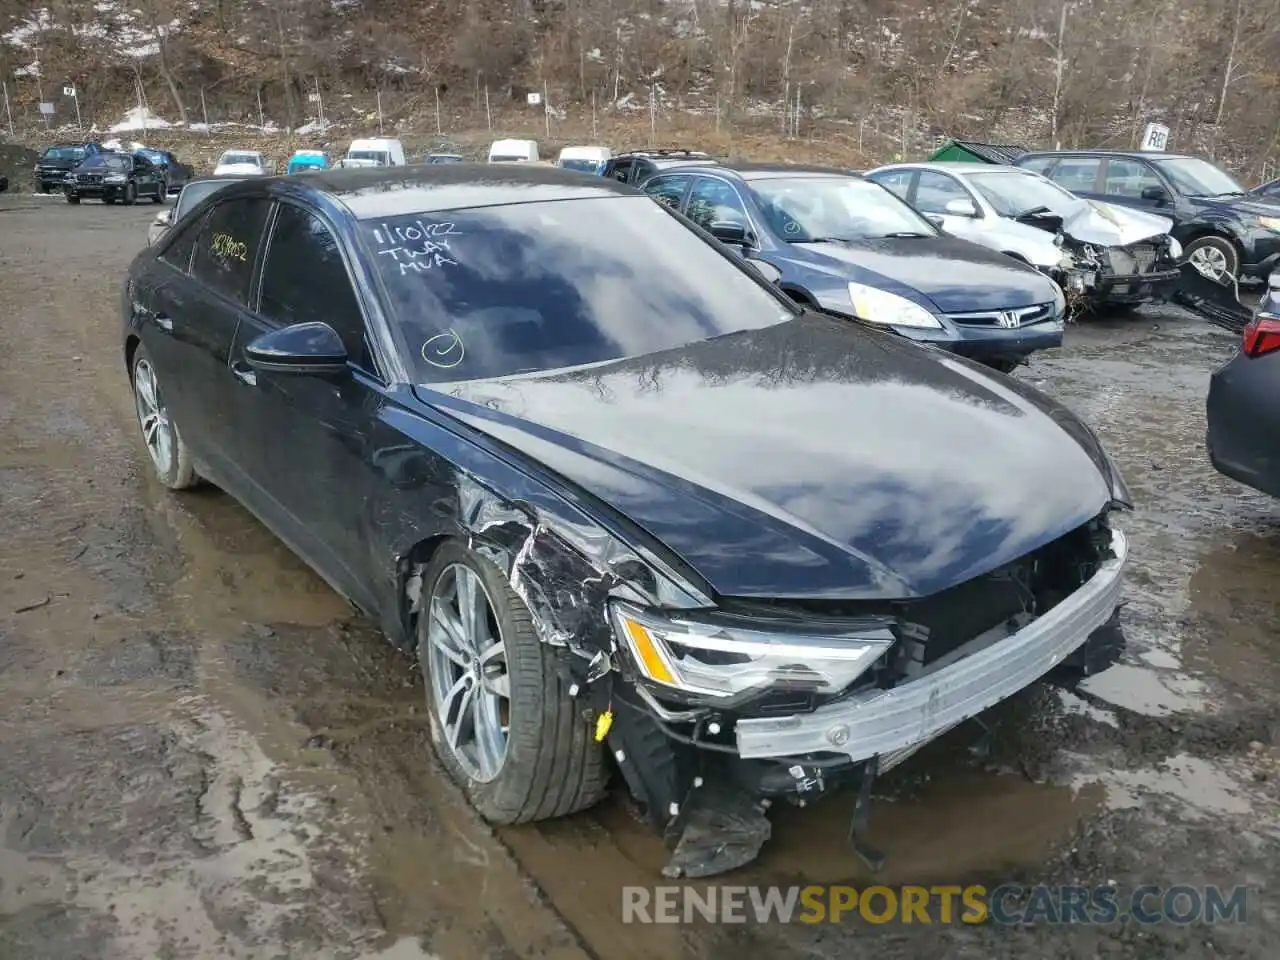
(799, 294)
(131, 344)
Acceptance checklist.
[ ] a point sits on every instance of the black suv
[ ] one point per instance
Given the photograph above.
(59, 160)
(1222, 229)
(636, 166)
(116, 176)
(176, 173)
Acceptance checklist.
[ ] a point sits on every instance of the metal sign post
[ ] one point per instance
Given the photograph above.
(71, 92)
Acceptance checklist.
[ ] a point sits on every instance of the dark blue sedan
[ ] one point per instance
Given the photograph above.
(630, 507)
(850, 247)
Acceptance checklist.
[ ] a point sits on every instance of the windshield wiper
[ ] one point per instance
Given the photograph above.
(821, 240)
(1032, 212)
(906, 234)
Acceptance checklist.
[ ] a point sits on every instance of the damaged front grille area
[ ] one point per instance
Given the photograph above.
(1132, 261)
(932, 628)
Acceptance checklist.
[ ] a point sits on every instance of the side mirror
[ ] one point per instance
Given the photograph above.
(1155, 194)
(730, 232)
(961, 208)
(935, 219)
(769, 271)
(305, 348)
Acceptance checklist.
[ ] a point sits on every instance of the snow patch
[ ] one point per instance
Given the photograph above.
(139, 118)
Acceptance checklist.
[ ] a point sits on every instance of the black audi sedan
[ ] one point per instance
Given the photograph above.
(1244, 397)
(630, 506)
(852, 248)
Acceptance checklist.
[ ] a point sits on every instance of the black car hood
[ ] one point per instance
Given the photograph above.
(810, 459)
(956, 275)
(1248, 205)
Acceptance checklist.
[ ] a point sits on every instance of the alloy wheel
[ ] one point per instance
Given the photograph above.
(157, 428)
(1209, 261)
(467, 670)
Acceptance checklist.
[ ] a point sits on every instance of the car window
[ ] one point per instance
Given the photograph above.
(1199, 178)
(228, 245)
(668, 191)
(1077, 174)
(65, 153)
(196, 191)
(512, 289)
(1128, 178)
(1040, 165)
(621, 170)
(304, 279)
(821, 209)
(1013, 193)
(935, 190)
(711, 201)
(180, 244)
(899, 181)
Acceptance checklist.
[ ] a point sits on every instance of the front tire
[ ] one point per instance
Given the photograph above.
(502, 721)
(162, 191)
(169, 453)
(130, 195)
(72, 198)
(1214, 257)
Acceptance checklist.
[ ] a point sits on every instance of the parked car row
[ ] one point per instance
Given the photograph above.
(63, 167)
(637, 506)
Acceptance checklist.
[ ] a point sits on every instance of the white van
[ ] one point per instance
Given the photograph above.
(584, 159)
(377, 152)
(513, 151)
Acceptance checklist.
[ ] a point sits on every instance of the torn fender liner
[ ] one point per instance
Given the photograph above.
(720, 829)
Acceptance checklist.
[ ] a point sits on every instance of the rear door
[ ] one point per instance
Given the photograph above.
(1082, 175)
(202, 327)
(310, 446)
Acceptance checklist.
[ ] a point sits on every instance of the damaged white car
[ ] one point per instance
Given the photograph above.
(1100, 253)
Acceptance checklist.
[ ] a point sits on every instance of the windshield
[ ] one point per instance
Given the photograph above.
(810, 209)
(118, 164)
(1199, 178)
(377, 156)
(586, 166)
(1014, 194)
(65, 153)
(193, 193)
(529, 287)
(250, 158)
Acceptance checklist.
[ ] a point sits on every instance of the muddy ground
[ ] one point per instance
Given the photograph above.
(204, 753)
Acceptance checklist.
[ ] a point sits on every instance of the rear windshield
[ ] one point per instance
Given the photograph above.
(65, 153)
(193, 193)
(504, 158)
(504, 290)
(586, 166)
(377, 156)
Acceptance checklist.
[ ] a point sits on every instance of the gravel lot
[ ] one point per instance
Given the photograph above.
(204, 753)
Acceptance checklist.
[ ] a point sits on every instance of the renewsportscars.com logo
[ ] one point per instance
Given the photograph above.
(1007, 905)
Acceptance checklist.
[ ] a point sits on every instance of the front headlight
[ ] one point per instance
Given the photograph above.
(114, 178)
(1059, 301)
(721, 661)
(880, 306)
(1271, 223)
(1175, 249)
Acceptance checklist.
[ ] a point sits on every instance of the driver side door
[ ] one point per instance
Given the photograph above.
(934, 191)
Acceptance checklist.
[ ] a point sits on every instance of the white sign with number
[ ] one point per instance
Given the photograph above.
(46, 109)
(534, 99)
(1155, 138)
(68, 91)
(313, 97)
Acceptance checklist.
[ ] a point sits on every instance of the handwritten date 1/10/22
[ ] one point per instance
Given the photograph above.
(228, 247)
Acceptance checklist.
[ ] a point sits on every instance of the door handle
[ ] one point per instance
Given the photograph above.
(163, 322)
(244, 373)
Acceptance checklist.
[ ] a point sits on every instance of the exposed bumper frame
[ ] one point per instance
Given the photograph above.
(893, 723)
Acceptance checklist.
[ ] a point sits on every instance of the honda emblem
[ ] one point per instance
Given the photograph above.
(1008, 318)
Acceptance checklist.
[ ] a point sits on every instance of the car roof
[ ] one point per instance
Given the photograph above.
(958, 166)
(1148, 154)
(389, 191)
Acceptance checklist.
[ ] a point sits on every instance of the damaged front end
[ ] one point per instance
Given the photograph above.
(715, 714)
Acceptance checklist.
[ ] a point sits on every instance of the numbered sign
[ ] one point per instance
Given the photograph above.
(46, 109)
(534, 99)
(1155, 138)
(68, 91)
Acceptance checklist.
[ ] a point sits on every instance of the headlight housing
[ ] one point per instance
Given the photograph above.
(1175, 249)
(1271, 223)
(726, 662)
(115, 178)
(880, 306)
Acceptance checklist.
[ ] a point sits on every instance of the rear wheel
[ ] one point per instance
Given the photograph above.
(502, 722)
(162, 191)
(168, 452)
(1215, 257)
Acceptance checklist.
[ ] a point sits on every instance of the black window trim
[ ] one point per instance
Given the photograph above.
(374, 347)
(1142, 162)
(170, 238)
